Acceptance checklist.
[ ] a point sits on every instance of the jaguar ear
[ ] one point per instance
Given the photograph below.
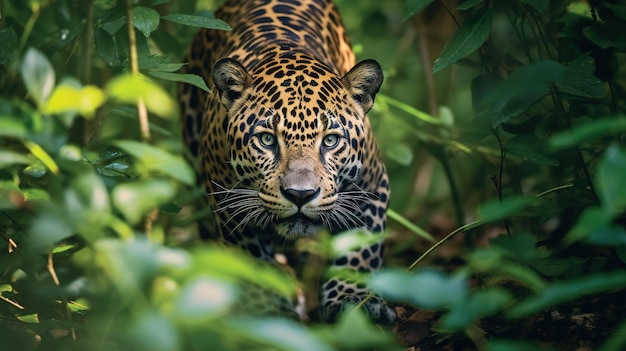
(231, 79)
(363, 82)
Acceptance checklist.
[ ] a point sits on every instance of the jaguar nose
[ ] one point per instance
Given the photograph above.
(299, 197)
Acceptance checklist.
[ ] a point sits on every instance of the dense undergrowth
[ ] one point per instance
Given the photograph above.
(525, 158)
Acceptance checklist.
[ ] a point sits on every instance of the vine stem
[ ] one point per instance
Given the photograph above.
(142, 111)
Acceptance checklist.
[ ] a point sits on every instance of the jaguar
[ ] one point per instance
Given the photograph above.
(282, 144)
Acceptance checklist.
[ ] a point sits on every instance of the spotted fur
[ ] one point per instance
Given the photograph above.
(283, 145)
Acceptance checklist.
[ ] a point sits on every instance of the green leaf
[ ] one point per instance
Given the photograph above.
(593, 129)
(579, 79)
(610, 236)
(233, 264)
(531, 149)
(11, 127)
(496, 210)
(204, 299)
(470, 36)
(192, 79)
(38, 75)
(590, 220)
(146, 20)
(150, 330)
(607, 34)
(566, 291)
(170, 208)
(426, 288)
(66, 98)
(106, 47)
(468, 4)
(610, 178)
(9, 158)
(480, 304)
(130, 88)
(520, 246)
(352, 240)
(516, 345)
(197, 21)
(156, 160)
(354, 322)
(277, 334)
(524, 88)
(411, 7)
(134, 200)
(400, 152)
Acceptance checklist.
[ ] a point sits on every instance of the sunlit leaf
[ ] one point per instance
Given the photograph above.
(134, 200)
(130, 88)
(159, 161)
(470, 36)
(145, 19)
(428, 289)
(66, 98)
(152, 331)
(204, 299)
(197, 21)
(354, 322)
(9, 158)
(42, 155)
(38, 75)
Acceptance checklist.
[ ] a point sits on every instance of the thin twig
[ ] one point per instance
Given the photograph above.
(55, 279)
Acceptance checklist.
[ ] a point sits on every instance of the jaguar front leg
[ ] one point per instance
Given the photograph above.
(338, 293)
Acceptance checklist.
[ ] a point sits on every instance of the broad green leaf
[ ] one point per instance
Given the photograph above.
(9, 158)
(146, 20)
(41, 155)
(470, 36)
(168, 67)
(553, 267)
(468, 4)
(520, 246)
(610, 180)
(65, 98)
(192, 79)
(130, 88)
(354, 322)
(134, 200)
(150, 330)
(204, 299)
(156, 160)
(197, 21)
(531, 149)
(106, 47)
(411, 7)
(427, 288)
(47, 229)
(496, 210)
(524, 88)
(11, 127)
(610, 236)
(38, 75)
(566, 291)
(32, 318)
(400, 152)
(277, 334)
(607, 34)
(170, 208)
(514, 345)
(579, 79)
(591, 130)
(479, 304)
(236, 265)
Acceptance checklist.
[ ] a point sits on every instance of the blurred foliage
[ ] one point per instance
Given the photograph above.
(523, 130)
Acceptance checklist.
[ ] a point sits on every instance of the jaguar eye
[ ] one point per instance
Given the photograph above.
(331, 140)
(267, 139)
